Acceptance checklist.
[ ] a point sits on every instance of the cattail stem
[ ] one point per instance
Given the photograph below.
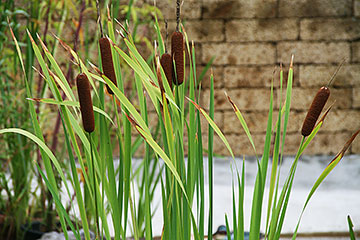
(99, 18)
(166, 34)
(94, 188)
(336, 71)
(177, 15)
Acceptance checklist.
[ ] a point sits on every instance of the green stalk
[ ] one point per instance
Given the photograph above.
(210, 156)
(94, 188)
(260, 178)
(274, 224)
(142, 101)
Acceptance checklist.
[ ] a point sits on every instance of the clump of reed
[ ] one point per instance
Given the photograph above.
(107, 189)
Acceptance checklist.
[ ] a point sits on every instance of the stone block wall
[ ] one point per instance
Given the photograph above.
(249, 38)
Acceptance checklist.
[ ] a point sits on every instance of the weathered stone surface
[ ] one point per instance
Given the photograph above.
(191, 9)
(205, 30)
(256, 76)
(330, 29)
(356, 98)
(313, 52)
(239, 144)
(218, 119)
(355, 50)
(244, 76)
(234, 54)
(323, 143)
(218, 73)
(348, 75)
(357, 8)
(256, 121)
(198, 30)
(355, 146)
(303, 97)
(315, 8)
(245, 99)
(239, 9)
(262, 30)
(342, 120)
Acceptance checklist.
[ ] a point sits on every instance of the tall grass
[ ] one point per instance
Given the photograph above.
(173, 150)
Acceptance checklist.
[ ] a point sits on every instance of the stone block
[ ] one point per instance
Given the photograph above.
(355, 52)
(235, 54)
(319, 75)
(313, 52)
(330, 29)
(315, 8)
(227, 9)
(262, 30)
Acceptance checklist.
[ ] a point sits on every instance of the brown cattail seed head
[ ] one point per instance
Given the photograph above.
(86, 106)
(107, 61)
(314, 111)
(167, 65)
(177, 52)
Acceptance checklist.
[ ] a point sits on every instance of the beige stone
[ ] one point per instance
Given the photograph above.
(315, 8)
(313, 52)
(330, 29)
(355, 50)
(191, 9)
(245, 99)
(205, 30)
(256, 76)
(357, 8)
(226, 9)
(198, 30)
(295, 122)
(355, 146)
(342, 120)
(239, 144)
(328, 144)
(256, 122)
(262, 30)
(234, 54)
(323, 143)
(218, 119)
(318, 76)
(218, 74)
(356, 98)
(303, 97)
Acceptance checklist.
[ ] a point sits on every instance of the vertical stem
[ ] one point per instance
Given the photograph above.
(177, 15)
(94, 188)
(210, 157)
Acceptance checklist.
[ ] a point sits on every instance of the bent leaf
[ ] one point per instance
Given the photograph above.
(213, 125)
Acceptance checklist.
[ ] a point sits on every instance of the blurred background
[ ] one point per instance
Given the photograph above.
(248, 39)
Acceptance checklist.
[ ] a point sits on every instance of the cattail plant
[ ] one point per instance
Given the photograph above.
(177, 49)
(317, 105)
(87, 113)
(86, 106)
(166, 62)
(107, 61)
(315, 109)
